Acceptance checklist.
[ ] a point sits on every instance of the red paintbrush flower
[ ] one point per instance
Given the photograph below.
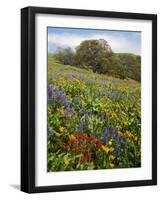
(98, 143)
(89, 144)
(91, 137)
(78, 149)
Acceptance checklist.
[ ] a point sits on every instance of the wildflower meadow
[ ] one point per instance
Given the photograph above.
(94, 120)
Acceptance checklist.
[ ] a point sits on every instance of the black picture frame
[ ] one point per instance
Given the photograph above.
(28, 98)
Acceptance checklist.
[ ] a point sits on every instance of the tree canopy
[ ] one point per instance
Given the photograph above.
(98, 56)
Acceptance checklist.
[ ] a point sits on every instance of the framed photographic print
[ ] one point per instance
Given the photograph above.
(88, 99)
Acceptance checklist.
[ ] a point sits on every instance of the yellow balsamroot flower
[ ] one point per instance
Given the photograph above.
(111, 157)
(110, 142)
(111, 149)
(135, 138)
(62, 80)
(118, 127)
(72, 138)
(105, 149)
(112, 165)
(62, 113)
(66, 161)
(120, 133)
(125, 123)
(113, 115)
(78, 82)
(61, 129)
(129, 134)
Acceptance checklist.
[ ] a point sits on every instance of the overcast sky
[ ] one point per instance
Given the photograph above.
(120, 41)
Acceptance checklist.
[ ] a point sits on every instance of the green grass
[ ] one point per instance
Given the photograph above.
(55, 68)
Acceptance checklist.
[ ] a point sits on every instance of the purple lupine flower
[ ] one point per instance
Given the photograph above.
(66, 103)
(105, 136)
(81, 78)
(117, 149)
(63, 91)
(61, 96)
(125, 143)
(113, 131)
(50, 92)
(80, 111)
(118, 139)
(81, 127)
(110, 94)
(67, 113)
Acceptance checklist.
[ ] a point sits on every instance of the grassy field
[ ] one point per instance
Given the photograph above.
(94, 121)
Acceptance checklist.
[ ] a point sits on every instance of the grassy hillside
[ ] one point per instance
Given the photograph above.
(56, 70)
(94, 120)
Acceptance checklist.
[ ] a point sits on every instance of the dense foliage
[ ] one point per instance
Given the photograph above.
(98, 56)
(94, 121)
(65, 56)
(132, 63)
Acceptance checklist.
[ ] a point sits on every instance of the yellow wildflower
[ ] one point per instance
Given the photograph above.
(61, 129)
(118, 127)
(111, 157)
(112, 165)
(113, 115)
(129, 134)
(110, 142)
(105, 149)
(120, 133)
(62, 113)
(66, 161)
(78, 81)
(135, 138)
(125, 123)
(111, 149)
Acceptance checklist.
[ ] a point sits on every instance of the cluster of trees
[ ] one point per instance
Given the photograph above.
(98, 56)
(132, 63)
